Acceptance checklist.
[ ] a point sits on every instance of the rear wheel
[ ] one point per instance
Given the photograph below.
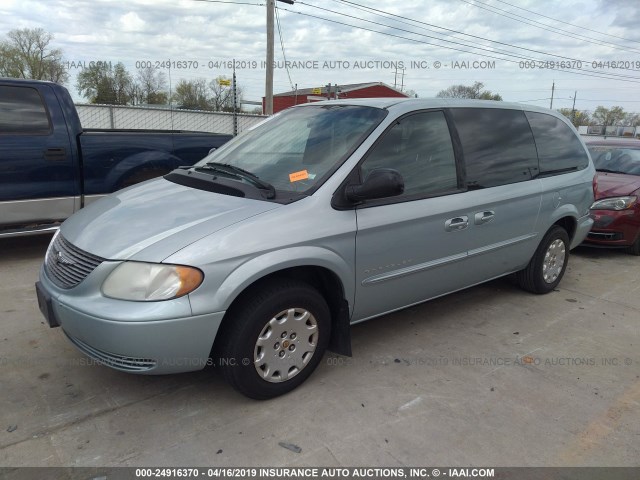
(274, 338)
(548, 264)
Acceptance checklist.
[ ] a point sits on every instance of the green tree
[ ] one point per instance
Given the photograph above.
(192, 95)
(105, 83)
(469, 91)
(608, 116)
(577, 117)
(26, 54)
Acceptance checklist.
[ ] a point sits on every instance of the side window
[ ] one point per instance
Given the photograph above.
(22, 111)
(419, 147)
(497, 144)
(558, 146)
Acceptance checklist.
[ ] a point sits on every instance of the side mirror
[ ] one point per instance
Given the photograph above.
(380, 183)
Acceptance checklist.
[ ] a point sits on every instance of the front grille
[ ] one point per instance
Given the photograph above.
(119, 362)
(67, 265)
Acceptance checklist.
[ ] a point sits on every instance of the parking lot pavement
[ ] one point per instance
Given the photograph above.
(491, 376)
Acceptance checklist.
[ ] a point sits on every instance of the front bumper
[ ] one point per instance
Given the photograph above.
(148, 341)
(614, 228)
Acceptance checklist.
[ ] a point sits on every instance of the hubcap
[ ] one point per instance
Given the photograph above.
(553, 261)
(285, 345)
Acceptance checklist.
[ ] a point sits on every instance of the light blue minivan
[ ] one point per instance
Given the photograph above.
(261, 256)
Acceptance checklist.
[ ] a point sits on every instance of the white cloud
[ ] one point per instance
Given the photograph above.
(131, 22)
(209, 33)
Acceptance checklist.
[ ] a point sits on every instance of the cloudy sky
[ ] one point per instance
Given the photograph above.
(517, 48)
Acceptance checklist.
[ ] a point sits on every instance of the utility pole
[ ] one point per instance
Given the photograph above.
(402, 85)
(268, 85)
(553, 87)
(573, 109)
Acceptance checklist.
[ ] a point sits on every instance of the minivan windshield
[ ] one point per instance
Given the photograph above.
(297, 149)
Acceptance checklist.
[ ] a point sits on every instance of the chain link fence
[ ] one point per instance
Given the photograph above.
(150, 118)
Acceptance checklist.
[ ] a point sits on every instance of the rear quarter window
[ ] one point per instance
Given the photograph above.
(497, 145)
(22, 111)
(559, 148)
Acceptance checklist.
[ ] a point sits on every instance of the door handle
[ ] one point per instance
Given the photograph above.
(456, 223)
(483, 217)
(55, 154)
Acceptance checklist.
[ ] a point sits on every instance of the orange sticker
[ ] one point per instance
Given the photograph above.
(297, 176)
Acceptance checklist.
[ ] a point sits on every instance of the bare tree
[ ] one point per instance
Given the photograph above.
(151, 86)
(472, 91)
(26, 54)
(221, 99)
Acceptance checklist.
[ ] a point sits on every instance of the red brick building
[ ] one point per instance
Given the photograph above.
(354, 90)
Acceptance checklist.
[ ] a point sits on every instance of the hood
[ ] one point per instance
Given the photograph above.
(616, 184)
(155, 219)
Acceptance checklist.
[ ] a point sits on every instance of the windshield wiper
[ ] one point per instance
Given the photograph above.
(241, 173)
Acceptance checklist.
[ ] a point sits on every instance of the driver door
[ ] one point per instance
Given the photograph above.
(412, 247)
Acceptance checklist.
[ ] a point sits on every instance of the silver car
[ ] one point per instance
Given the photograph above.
(260, 257)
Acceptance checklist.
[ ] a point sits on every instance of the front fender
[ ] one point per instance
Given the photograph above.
(249, 272)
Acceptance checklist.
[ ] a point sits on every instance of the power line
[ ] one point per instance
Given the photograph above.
(284, 56)
(567, 23)
(407, 21)
(544, 26)
(576, 71)
(231, 2)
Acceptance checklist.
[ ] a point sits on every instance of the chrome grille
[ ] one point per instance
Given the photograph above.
(113, 360)
(67, 265)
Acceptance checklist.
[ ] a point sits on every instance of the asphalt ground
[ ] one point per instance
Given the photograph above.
(490, 376)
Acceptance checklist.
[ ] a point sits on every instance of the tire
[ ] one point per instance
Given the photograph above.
(635, 248)
(274, 339)
(548, 264)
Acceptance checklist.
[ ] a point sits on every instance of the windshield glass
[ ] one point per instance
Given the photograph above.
(615, 159)
(300, 147)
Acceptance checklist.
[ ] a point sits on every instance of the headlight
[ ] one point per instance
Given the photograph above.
(148, 282)
(614, 203)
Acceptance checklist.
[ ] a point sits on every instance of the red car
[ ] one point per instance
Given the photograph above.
(616, 210)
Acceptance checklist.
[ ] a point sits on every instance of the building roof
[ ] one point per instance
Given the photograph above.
(343, 89)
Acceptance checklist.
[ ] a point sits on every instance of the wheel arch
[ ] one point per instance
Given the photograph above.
(327, 275)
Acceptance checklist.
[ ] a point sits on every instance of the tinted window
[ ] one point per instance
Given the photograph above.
(497, 144)
(22, 111)
(559, 149)
(419, 147)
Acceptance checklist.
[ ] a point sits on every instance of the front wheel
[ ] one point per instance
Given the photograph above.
(635, 248)
(548, 264)
(274, 338)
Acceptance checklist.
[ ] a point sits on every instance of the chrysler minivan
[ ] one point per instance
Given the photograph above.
(260, 257)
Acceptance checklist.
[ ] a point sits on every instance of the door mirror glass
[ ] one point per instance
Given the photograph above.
(380, 183)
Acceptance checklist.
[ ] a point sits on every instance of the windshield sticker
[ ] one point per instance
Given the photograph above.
(297, 176)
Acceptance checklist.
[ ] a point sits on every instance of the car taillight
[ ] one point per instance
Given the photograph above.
(595, 186)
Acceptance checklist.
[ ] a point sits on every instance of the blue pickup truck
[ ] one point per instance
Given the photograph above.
(50, 167)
